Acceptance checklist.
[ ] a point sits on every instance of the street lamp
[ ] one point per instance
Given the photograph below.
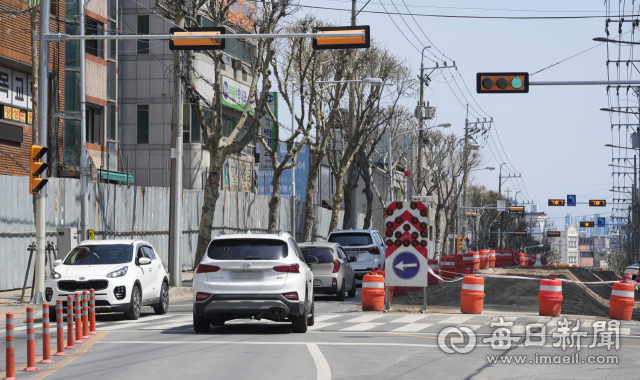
(441, 125)
(616, 146)
(372, 81)
(487, 168)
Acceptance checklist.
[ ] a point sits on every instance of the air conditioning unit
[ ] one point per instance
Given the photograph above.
(236, 64)
(425, 112)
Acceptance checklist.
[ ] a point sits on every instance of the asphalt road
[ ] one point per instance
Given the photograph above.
(343, 344)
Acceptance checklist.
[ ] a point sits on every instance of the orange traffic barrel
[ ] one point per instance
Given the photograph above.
(467, 262)
(550, 297)
(372, 292)
(472, 295)
(553, 265)
(448, 268)
(492, 259)
(476, 260)
(435, 267)
(484, 259)
(621, 301)
(522, 259)
(598, 268)
(459, 260)
(575, 265)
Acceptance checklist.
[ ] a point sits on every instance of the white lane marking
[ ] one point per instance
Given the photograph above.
(145, 319)
(456, 319)
(409, 319)
(413, 327)
(473, 327)
(325, 317)
(625, 331)
(118, 327)
(277, 343)
(362, 327)
(324, 371)
(321, 325)
(174, 323)
(364, 318)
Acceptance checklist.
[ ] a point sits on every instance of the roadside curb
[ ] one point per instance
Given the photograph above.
(180, 292)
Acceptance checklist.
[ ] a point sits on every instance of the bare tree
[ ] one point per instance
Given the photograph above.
(617, 261)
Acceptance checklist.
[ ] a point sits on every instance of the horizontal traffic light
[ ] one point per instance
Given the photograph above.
(36, 168)
(520, 233)
(206, 43)
(587, 224)
(597, 202)
(556, 202)
(516, 209)
(487, 83)
(553, 233)
(355, 42)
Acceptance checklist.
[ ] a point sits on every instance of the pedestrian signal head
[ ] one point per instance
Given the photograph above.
(502, 82)
(556, 202)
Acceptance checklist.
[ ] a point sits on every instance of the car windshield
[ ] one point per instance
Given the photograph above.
(247, 249)
(351, 238)
(324, 255)
(100, 254)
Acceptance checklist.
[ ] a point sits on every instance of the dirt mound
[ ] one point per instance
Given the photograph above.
(578, 299)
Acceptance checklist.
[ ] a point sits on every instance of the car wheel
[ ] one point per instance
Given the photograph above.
(342, 293)
(217, 321)
(201, 324)
(311, 318)
(300, 322)
(163, 306)
(136, 300)
(352, 292)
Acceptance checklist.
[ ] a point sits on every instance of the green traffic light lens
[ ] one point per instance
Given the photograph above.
(516, 83)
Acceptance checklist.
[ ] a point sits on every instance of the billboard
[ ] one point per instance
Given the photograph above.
(268, 131)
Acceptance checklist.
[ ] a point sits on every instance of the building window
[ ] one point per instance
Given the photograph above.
(94, 27)
(111, 121)
(143, 28)
(143, 123)
(111, 54)
(112, 9)
(111, 80)
(93, 125)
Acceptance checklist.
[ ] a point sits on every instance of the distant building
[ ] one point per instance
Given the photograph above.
(536, 222)
(567, 245)
(585, 248)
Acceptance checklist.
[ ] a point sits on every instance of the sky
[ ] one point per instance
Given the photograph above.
(554, 136)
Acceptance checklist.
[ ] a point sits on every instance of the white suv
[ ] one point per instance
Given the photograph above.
(366, 245)
(252, 276)
(125, 275)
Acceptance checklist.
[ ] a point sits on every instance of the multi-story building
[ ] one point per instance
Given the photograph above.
(567, 245)
(536, 222)
(585, 249)
(146, 97)
(64, 82)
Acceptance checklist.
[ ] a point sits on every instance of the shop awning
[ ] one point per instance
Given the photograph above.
(114, 176)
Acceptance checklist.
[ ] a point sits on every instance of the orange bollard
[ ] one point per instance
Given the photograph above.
(31, 343)
(10, 349)
(476, 260)
(373, 292)
(59, 330)
(70, 345)
(550, 297)
(472, 295)
(621, 301)
(78, 320)
(46, 337)
(92, 312)
(85, 315)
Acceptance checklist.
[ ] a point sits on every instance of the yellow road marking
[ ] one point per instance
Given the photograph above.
(68, 359)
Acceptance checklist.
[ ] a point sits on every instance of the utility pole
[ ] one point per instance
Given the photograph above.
(293, 169)
(175, 213)
(353, 221)
(41, 199)
(84, 185)
(500, 193)
(419, 173)
(461, 210)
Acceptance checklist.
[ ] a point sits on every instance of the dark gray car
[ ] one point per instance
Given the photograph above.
(331, 267)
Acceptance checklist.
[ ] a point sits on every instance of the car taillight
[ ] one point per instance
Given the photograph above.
(293, 296)
(336, 265)
(204, 268)
(293, 268)
(373, 250)
(201, 296)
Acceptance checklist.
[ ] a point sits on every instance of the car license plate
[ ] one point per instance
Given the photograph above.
(316, 282)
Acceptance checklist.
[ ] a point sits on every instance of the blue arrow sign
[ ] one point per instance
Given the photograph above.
(406, 265)
(571, 200)
(601, 222)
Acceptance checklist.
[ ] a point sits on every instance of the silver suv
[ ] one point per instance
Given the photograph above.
(366, 245)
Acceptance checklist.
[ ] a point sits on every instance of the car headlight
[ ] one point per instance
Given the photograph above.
(55, 275)
(118, 273)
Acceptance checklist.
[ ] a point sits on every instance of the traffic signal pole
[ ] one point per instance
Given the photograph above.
(84, 186)
(43, 118)
(352, 127)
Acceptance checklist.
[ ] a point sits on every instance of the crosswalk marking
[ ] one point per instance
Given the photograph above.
(121, 326)
(365, 318)
(326, 317)
(362, 327)
(320, 325)
(413, 327)
(409, 318)
(457, 319)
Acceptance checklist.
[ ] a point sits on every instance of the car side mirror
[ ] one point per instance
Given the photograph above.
(311, 260)
(144, 261)
(352, 259)
(57, 262)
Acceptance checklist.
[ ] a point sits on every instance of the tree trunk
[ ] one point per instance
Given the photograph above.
(274, 202)
(211, 195)
(348, 202)
(309, 207)
(368, 192)
(337, 201)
